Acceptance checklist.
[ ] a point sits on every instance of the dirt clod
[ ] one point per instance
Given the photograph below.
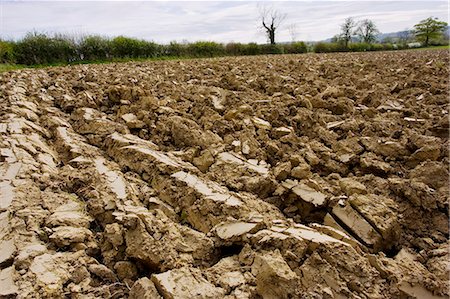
(323, 176)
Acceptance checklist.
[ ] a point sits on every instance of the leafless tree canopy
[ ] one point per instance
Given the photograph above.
(347, 30)
(293, 31)
(367, 31)
(271, 19)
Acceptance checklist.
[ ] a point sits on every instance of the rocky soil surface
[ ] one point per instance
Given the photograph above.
(309, 176)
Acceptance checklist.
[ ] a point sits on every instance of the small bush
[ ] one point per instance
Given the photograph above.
(295, 48)
(272, 49)
(235, 49)
(175, 49)
(6, 52)
(205, 49)
(382, 47)
(358, 47)
(64, 49)
(125, 47)
(323, 47)
(38, 48)
(150, 49)
(95, 48)
(252, 49)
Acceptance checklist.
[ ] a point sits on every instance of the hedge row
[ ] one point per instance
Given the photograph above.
(352, 47)
(38, 48)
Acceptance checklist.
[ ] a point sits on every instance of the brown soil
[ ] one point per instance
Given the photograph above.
(301, 176)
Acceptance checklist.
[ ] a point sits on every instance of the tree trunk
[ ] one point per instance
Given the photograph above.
(272, 37)
(426, 41)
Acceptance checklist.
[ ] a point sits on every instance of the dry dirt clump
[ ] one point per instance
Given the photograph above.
(309, 176)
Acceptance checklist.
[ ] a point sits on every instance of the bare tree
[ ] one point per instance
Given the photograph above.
(347, 30)
(271, 19)
(367, 31)
(293, 32)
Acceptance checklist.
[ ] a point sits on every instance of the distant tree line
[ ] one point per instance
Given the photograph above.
(362, 36)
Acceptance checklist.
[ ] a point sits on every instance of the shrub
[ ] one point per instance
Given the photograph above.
(389, 47)
(252, 49)
(6, 52)
(125, 47)
(359, 47)
(150, 49)
(64, 48)
(382, 47)
(235, 49)
(320, 48)
(272, 49)
(175, 49)
(295, 48)
(38, 48)
(95, 48)
(323, 47)
(205, 49)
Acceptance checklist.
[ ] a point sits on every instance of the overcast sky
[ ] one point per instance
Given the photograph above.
(222, 21)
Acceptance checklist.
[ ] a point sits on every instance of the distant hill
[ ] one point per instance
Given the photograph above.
(397, 34)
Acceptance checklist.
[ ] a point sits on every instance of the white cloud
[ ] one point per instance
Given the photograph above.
(221, 21)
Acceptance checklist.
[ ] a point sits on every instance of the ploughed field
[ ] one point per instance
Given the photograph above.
(300, 176)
